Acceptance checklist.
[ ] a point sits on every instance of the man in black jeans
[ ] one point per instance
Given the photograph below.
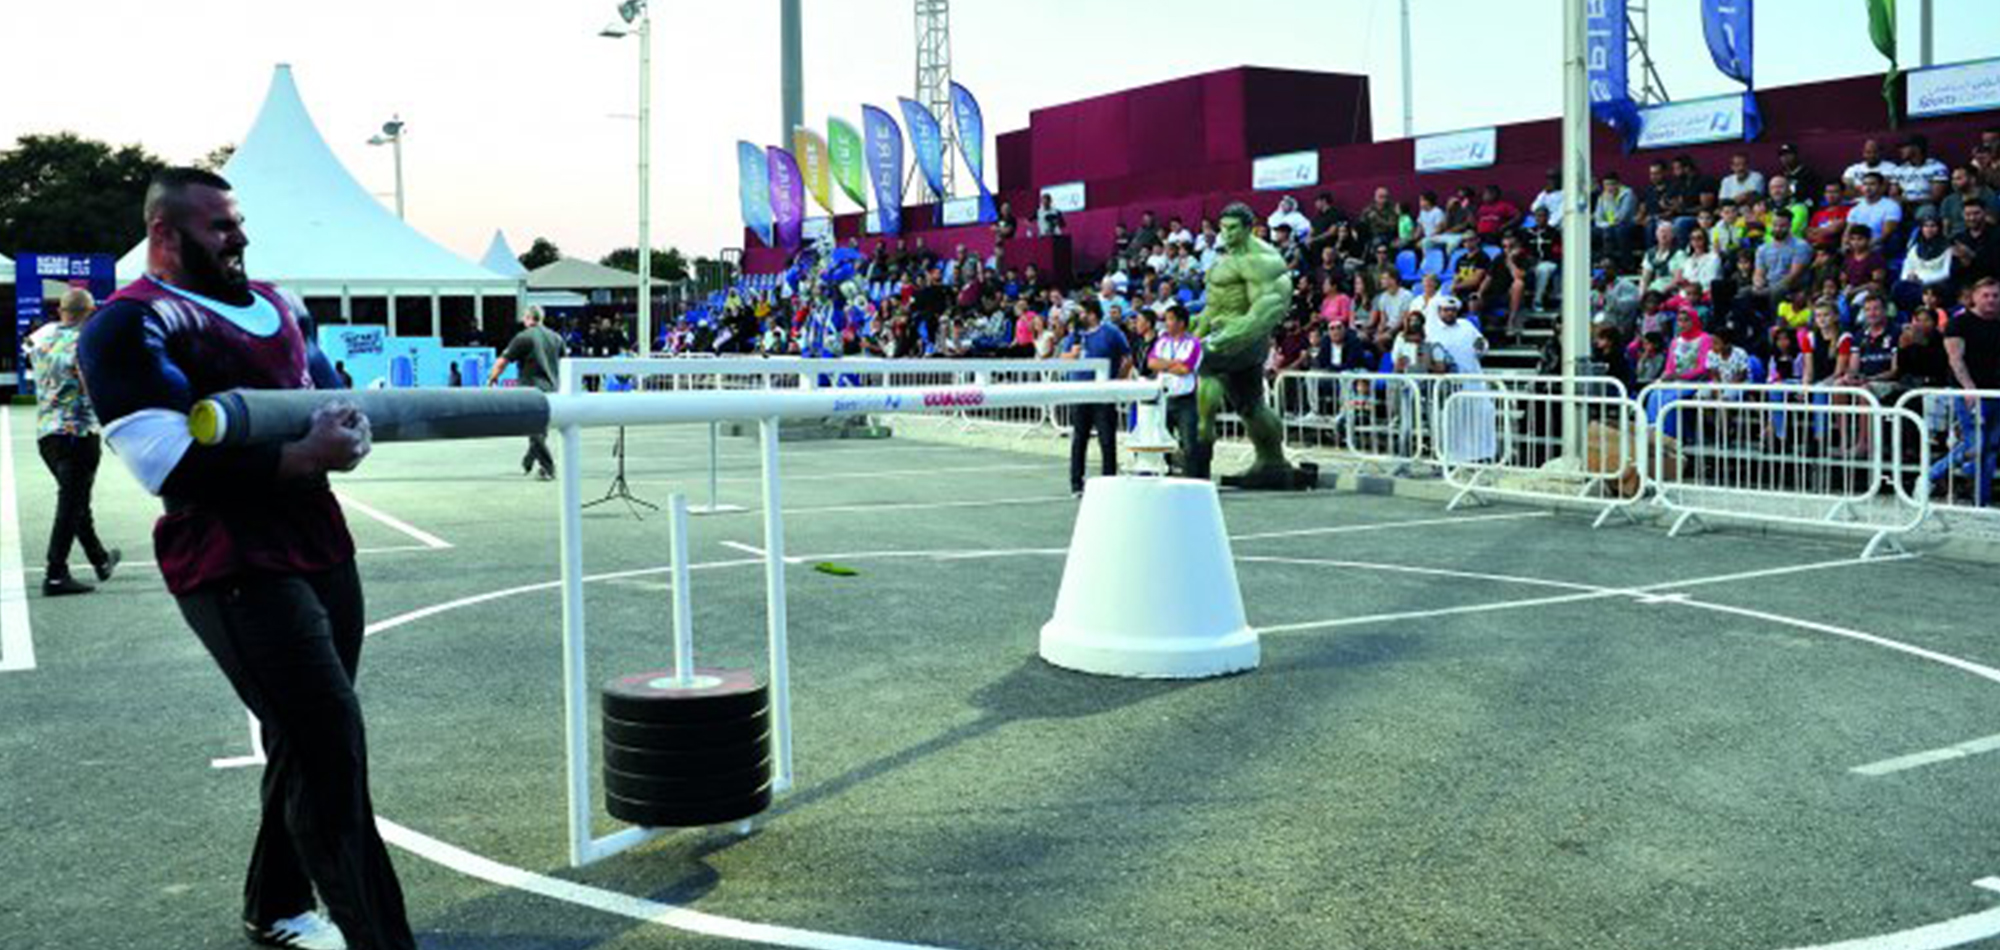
(66, 435)
(1098, 340)
(256, 552)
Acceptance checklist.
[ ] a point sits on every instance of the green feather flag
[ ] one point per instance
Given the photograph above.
(1882, 30)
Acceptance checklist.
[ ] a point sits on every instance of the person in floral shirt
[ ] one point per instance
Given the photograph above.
(66, 434)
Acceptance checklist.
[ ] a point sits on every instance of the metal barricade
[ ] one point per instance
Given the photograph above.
(1496, 440)
(1787, 455)
(1960, 429)
(1373, 421)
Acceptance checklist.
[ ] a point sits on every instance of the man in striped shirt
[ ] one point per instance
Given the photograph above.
(1176, 357)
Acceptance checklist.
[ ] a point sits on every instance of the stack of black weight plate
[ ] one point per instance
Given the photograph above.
(681, 756)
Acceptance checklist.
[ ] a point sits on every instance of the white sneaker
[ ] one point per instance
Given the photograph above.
(307, 931)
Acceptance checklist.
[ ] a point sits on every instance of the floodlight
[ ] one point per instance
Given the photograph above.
(631, 9)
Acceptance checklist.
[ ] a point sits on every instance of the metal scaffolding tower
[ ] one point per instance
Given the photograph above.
(934, 82)
(1639, 23)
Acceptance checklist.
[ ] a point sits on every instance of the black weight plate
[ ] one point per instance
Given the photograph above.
(652, 697)
(686, 763)
(689, 789)
(666, 737)
(663, 815)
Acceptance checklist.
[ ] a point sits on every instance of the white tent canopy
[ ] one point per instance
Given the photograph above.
(501, 259)
(568, 273)
(317, 231)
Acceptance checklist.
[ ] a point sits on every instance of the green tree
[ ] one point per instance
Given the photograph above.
(541, 254)
(669, 266)
(65, 194)
(216, 158)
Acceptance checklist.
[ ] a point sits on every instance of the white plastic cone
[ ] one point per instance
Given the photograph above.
(1150, 586)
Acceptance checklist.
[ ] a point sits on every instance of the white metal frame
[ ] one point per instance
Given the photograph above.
(571, 411)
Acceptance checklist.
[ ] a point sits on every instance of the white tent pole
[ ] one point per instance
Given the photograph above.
(1576, 220)
(646, 183)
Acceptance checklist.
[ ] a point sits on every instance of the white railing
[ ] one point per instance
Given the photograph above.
(1520, 443)
(1962, 436)
(1373, 421)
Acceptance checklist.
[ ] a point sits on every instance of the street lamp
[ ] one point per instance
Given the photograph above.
(392, 134)
(635, 17)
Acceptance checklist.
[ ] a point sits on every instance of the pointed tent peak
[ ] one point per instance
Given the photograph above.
(500, 257)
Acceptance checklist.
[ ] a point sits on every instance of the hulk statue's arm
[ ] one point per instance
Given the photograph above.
(1270, 299)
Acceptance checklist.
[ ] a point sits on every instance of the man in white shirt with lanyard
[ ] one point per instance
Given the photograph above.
(1176, 357)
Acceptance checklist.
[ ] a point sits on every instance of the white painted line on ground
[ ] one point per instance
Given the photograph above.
(931, 505)
(17, 638)
(1976, 669)
(421, 536)
(894, 473)
(1388, 526)
(1988, 883)
(1956, 932)
(1904, 763)
(622, 905)
(755, 551)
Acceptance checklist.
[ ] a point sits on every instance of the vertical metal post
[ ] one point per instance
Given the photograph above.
(714, 462)
(1576, 221)
(646, 183)
(791, 69)
(1927, 27)
(397, 142)
(677, 518)
(576, 725)
(1409, 103)
(774, 609)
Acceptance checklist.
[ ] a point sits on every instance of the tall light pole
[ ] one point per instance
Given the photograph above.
(392, 134)
(1409, 104)
(1575, 325)
(633, 12)
(791, 69)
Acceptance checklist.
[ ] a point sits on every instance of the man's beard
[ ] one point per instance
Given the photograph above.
(212, 275)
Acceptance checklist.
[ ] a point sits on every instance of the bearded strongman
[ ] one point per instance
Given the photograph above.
(255, 550)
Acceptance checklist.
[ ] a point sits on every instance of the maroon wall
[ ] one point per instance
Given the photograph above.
(1131, 168)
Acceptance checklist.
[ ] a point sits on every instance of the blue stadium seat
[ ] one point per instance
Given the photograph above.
(1433, 262)
(1406, 265)
(1492, 251)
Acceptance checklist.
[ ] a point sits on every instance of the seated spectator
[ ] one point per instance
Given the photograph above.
(1786, 365)
(1696, 269)
(1148, 233)
(1289, 215)
(1550, 198)
(1614, 219)
(1346, 246)
(1207, 239)
(1804, 180)
(1325, 220)
(1459, 212)
(1544, 240)
(1927, 207)
(1784, 201)
(1495, 216)
(1472, 268)
(1660, 200)
(1344, 352)
(1391, 303)
(1927, 263)
(1409, 352)
(1727, 234)
(1286, 241)
(1871, 163)
(1336, 305)
(1695, 189)
(1966, 189)
(1740, 181)
(1781, 265)
(1424, 305)
(1829, 351)
(1828, 225)
(1656, 269)
(1976, 250)
(1652, 361)
(1157, 259)
(1874, 348)
(1918, 168)
(1381, 221)
(1178, 234)
(1920, 361)
(1515, 275)
(1688, 353)
(1797, 309)
(1727, 362)
(1862, 264)
(1876, 211)
(1608, 354)
(1430, 232)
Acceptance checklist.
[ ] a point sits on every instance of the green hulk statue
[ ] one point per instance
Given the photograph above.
(1249, 294)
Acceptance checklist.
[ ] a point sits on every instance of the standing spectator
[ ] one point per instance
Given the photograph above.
(66, 435)
(1804, 180)
(1614, 222)
(1977, 248)
(1471, 423)
(1096, 340)
(1550, 198)
(1871, 163)
(1972, 347)
(1918, 169)
(535, 353)
(1176, 358)
(1879, 213)
(1382, 220)
(1740, 181)
(1494, 216)
(1048, 221)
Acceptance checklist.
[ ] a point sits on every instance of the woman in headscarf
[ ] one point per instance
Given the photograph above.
(1928, 264)
(1687, 362)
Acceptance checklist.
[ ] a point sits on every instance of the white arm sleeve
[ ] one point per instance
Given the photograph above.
(150, 442)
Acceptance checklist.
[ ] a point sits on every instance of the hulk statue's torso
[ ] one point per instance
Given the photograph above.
(1248, 296)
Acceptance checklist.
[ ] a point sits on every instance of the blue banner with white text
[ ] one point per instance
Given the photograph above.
(972, 144)
(927, 141)
(96, 273)
(885, 167)
(1605, 59)
(1727, 25)
(754, 182)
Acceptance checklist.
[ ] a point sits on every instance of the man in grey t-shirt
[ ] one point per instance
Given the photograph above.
(535, 352)
(1781, 263)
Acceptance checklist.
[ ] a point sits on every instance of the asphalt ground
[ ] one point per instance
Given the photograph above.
(1484, 729)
